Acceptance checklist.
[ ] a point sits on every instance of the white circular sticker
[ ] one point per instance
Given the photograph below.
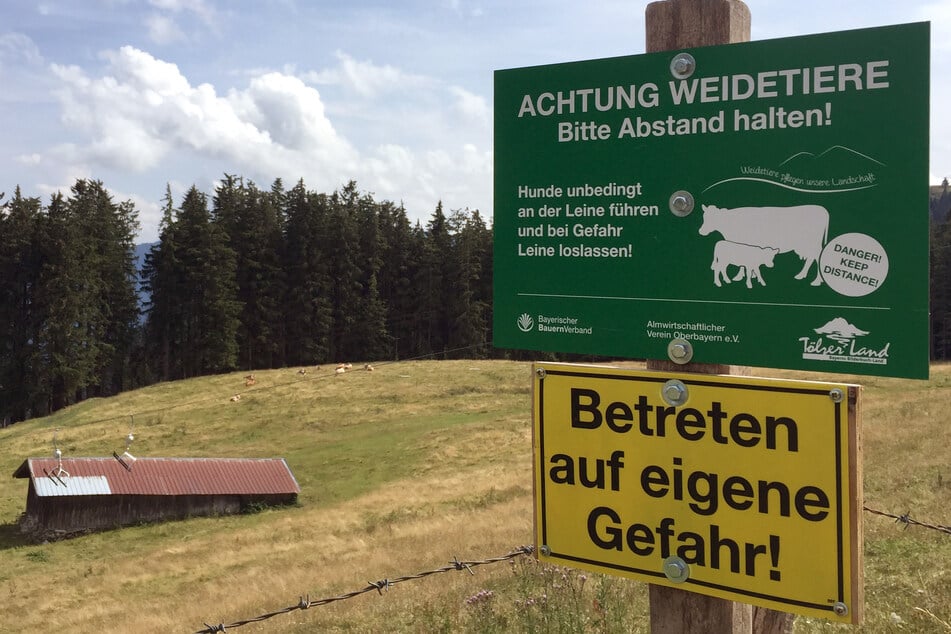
(854, 264)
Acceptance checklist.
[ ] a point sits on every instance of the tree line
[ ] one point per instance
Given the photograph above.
(250, 279)
(254, 279)
(941, 272)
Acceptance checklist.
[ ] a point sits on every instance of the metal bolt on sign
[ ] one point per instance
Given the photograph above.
(680, 351)
(683, 65)
(676, 569)
(540, 372)
(545, 550)
(840, 608)
(836, 395)
(681, 203)
(674, 392)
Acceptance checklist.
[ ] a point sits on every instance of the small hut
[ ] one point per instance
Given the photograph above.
(78, 495)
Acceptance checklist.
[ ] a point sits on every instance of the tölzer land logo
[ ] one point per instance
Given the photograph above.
(837, 341)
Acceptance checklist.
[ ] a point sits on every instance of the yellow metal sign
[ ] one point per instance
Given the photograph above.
(740, 488)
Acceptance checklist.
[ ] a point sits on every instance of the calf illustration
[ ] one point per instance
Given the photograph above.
(802, 229)
(745, 256)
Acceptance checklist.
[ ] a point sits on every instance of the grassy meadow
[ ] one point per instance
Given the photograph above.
(403, 469)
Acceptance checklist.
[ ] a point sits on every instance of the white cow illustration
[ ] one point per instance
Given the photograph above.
(803, 229)
(746, 256)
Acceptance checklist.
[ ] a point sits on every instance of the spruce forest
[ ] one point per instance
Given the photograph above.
(255, 279)
(250, 279)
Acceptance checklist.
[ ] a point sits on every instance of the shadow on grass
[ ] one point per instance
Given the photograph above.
(11, 537)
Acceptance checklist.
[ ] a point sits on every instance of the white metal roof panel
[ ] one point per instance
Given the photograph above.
(72, 485)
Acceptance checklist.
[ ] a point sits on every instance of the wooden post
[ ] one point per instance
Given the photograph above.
(677, 24)
(673, 25)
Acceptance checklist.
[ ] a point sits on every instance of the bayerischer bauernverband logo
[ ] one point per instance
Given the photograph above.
(525, 322)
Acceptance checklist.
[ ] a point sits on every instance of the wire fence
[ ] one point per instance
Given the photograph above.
(907, 521)
(455, 565)
(380, 586)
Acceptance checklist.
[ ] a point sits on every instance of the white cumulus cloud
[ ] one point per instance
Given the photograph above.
(200, 8)
(143, 109)
(163, 30)
(30, 159)
(365, 77)
(472, 106)
(19, 48)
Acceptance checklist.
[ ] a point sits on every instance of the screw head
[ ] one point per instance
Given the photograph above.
(840, 608)
(674, 392)
(683, 65)
(545, 550)
(676, 569)
(681, 203)
(836, 395)
(680, 351)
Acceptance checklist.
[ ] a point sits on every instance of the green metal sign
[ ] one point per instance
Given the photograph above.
(762, 203)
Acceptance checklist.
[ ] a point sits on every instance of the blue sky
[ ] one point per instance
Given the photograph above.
(395, 95)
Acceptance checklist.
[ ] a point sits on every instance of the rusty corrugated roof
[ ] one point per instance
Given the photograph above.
(161, 476)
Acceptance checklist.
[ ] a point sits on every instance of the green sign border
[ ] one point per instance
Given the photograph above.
(852, 141)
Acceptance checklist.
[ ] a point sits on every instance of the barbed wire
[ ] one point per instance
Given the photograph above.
(379, 586)
(907, 521)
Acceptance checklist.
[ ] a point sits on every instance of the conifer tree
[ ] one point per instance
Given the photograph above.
(273, 276)
(307, 306)
(251, 219)
(467, 309)
(437, 283)
(421, 317)
(58, 305)
(192, 280)
(401, 261)
(74, 326)
(106, 252)
(19, 273)
(370, 336)
(208, 263)
(343, 253)
(161, 280)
